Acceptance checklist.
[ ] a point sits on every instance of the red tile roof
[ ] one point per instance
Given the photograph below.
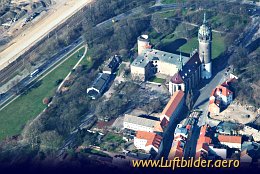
(230, 139)
(203, 142)
(173, 103)
(203, 130)
(188, 127)
(224, 90)
(204, 139)
(204, 146)
(176, 150)
(152, 138)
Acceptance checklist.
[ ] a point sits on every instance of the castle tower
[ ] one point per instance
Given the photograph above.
(205, 41)
(143, 43)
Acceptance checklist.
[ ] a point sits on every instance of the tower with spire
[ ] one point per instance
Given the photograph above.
(205, 49)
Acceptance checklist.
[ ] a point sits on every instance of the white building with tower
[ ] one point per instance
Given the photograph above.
(205, 49)
(143, 43)
(185, 72)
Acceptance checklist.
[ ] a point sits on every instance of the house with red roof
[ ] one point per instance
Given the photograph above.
(220, 98)
(177, 149)
(230, 141)
(174, 106)
(222, 94)
(147, 141)
(202, 148)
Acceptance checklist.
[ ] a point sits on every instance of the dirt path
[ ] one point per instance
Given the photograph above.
(60, 13)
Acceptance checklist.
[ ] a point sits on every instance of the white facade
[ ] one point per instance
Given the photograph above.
(219, 152)
(138, 127)
(232, 145)
(141, 144)
(142, 43)
(140, 124)
(206, 70)
(175, 87)
(225, 99)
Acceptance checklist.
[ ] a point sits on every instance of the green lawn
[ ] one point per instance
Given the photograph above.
(218, 45)
(29, 105)
(110, 137)
(96, 152)
(173, 1)
(112, 142)
(157, 80)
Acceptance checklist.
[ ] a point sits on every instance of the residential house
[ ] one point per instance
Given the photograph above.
(230, 141)
(220, 98)
(112, 64)
(99, 85)
(147, 141)
(217, 152)
(177, 149)
(202, 148)
(181, 131)
(139, 123)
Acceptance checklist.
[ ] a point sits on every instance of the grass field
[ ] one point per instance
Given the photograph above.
(112, 142)
(218, 45)
(157, 80)
(29, 105)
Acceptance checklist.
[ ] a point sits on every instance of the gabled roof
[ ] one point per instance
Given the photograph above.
(149, 54)
(203, 130)
(204, 139)
(181, 130)
(228, 82)
(187, 70)
(147, 122)
(152, 138)
(190, 67)
(177, 79)
(164, 122)
(176, 150)
(173, 103)
(224, 91)
(230, 139)
(100, 81)
(158, 127)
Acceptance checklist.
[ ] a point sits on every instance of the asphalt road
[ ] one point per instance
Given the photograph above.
(26, 82)
(203, 99)
(202, 103)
